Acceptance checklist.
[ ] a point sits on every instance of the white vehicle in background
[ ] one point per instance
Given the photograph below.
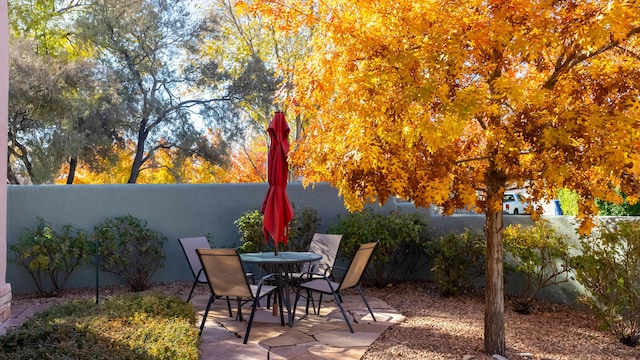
(515, 203)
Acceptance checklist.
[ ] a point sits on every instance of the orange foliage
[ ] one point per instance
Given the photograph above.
(248, 165)
(166, 168)
(436, 100)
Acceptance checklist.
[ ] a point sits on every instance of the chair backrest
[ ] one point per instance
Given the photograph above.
(189, 246)
(224, 272)
(358, 264)
(326, 245)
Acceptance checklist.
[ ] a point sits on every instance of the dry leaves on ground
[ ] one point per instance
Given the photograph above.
(437, 327)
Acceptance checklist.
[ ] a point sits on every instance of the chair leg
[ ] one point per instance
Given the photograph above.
(206, 313)
(344, 313)
(192, 288)
(313, 303)
(253, 312)
(280, 303)
(319, 304)
(229, 307)
(295, 303)
(365, 302)
(239, 315)
(309, 294)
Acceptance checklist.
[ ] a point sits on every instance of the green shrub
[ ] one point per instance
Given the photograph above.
(624, 209)
(129, 249)
(568, 202)
(47, 254)
(609, 269)
(304, 224)
(541, 254)
(149, 326)
(250, 227)
(458, 260)
(400, 237)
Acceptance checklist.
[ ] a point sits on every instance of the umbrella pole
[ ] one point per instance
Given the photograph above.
(275, 246)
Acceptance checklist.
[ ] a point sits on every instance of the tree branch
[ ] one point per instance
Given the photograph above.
(568, 62)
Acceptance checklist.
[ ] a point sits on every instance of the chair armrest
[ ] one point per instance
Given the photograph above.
(267, 277)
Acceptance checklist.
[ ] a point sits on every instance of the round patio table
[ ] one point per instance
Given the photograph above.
(280, 265)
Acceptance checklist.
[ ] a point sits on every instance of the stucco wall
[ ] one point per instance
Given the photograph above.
(195, 210)
(175, 210)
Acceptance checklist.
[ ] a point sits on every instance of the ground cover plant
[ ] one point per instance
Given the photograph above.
(128, 326)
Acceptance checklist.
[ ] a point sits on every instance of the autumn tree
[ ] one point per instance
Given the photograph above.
(170, 165)
(248, 163)
(440, 101)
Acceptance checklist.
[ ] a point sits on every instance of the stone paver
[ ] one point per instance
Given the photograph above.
(324, 336)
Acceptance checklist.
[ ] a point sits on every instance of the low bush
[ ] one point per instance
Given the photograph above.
(541, 254)
(50, 256)
(458, 260)
(251, 236)
(304, 224)
(400, 237)
(127, 247)
(609, 269)
(132, 326)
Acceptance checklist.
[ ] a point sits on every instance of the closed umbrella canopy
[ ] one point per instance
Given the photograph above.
(276, 207)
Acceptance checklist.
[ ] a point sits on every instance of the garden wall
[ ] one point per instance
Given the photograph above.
(175, 210)
(194, 210)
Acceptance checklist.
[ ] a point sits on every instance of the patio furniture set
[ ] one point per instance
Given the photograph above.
(224, 270)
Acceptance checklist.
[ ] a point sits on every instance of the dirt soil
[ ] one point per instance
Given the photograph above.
(438, 327)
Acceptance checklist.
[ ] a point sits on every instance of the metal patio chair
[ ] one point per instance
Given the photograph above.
(226, 277)
(351, 279)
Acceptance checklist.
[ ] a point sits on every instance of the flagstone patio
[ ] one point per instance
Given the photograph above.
(324, 336)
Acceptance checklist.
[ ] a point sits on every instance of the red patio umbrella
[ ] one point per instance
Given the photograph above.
(276, 207)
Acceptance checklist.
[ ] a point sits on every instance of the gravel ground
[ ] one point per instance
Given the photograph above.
(450, 328)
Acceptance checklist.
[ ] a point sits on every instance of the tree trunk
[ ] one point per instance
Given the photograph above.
(11, 177)
(73, 164)
(135, 171)
(494, 333)
(138, 159)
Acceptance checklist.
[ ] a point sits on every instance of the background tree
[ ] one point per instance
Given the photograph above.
(171, 166)
(437, 101)
(153, 48)
(47, 22)
(258, 57)
(248, 163)
(58, 103)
